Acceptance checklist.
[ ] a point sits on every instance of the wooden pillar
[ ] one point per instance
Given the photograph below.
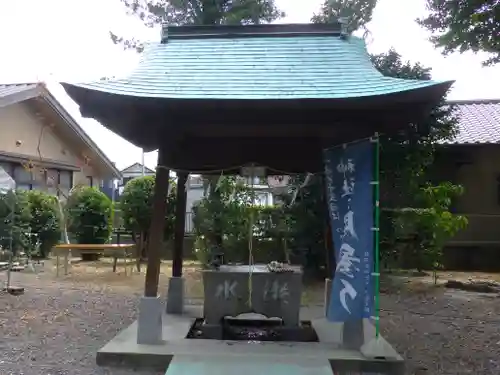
(180, 224)
(329, 247)
(156, 231)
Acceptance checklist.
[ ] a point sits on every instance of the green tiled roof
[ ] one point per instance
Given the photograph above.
(263, 66)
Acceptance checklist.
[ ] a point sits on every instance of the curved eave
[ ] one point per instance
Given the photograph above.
(386, 86)
(109, 108)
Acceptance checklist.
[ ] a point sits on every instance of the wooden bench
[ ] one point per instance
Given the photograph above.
(124, 251)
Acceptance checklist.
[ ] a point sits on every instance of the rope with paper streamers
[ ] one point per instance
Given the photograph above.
(296, 191)
(232, 168)
(240, 166)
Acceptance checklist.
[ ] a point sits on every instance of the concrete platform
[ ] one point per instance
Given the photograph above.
(123, 350)
(241, 365)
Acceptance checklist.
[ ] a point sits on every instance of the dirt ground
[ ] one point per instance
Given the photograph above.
(57, 326)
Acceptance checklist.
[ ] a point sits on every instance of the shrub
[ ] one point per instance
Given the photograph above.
(89, 216)
(15, 218)
(433, 225)
(45, 222)
(136, 204)
(231, 213)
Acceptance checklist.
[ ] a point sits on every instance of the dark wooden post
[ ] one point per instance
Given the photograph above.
(180, 224)
(155, 240)
(329, 249)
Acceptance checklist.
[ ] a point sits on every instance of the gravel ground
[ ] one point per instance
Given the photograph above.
(445, 333)
(57, 327)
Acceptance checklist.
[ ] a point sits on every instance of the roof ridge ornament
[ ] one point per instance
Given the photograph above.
(170, 32)
(344, 27)
(164, 32)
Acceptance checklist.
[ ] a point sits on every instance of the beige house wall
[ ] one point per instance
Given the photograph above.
(17, 123)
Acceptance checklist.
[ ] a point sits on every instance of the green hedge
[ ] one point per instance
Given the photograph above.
(89, 215)
(31, 219)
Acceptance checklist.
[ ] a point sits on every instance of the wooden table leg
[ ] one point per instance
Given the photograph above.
(115, 261)
(66, 262)
(57, 264)
(125, 261)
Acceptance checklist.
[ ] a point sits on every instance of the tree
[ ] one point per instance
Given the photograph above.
(15, 218)
(460, 26)
(225, 209)
(198, 12)
(434, 224)
(305, 218)
(45, 223)
(89, 217)
(407, 156)
(357, 13)
(136, 205)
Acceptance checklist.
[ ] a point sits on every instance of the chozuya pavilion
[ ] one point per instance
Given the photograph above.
(218, 98)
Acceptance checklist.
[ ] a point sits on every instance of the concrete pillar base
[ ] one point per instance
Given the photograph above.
(353, 334)
(175, 295)
(149, 323)
(378, 348)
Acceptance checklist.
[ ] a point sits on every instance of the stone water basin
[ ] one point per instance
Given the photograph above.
(234, 290)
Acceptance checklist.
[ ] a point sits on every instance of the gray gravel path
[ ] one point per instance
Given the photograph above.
(450, 333)
(57, 330)
(56, 327)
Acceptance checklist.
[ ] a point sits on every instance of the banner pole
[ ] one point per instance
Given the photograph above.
(376, 237)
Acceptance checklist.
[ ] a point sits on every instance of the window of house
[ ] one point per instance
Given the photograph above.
(65, 182)
(7, 167)
(261, 199)
(90, 181)
(23, 177)
(29, 179)
(39, 176)
(195, 181)
(52, 181)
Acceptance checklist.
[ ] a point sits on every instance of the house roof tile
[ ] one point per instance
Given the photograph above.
(18, 92)
(478, 121)
(136, 168)
(12, 89)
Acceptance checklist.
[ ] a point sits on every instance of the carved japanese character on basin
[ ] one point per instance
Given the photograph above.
(234, 290)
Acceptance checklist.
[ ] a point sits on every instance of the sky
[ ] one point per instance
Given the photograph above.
(68, 40)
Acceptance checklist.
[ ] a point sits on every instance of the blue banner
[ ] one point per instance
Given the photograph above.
(348, 174)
